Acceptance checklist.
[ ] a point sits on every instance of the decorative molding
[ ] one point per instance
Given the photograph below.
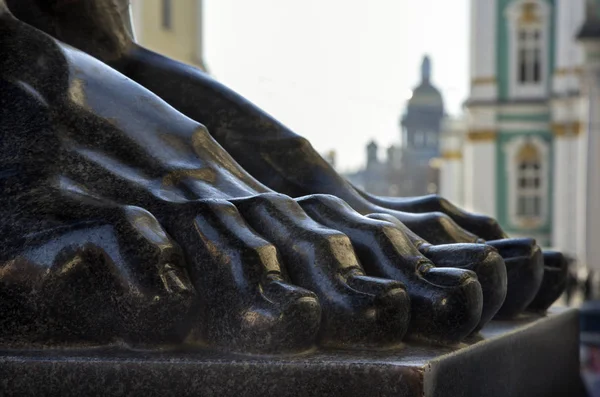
(481, 136)
(529, 14)
(568, 71)
(436, 163)
(562, 71)
(452, 155)
(567, 130)
(524, 117)
(522, 108)
(528, 223)
(523, 126)
(483, 80)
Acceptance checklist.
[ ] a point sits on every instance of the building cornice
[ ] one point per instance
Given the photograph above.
(452, 155)
(483, 80)
(567, 130)
(481, 135)
(568, 71)
(497, 103)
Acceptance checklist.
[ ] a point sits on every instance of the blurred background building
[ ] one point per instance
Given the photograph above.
(410, 167)
(525, 115)
(528, 150)
(172, 28)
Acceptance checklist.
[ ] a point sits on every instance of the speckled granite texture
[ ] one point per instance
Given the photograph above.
(275, 157)
(533, 356)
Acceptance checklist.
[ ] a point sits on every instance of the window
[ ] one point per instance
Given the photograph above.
(432, 139)
(166, 14)
(529, 55)
(529, 24)
(529, 183)
(418, 139)
(527, 177)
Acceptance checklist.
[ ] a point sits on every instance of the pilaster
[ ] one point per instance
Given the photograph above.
(483, 50)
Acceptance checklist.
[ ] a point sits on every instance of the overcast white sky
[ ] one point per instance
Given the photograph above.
(338, 71)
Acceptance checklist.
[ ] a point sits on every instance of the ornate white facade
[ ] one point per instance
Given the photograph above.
(529, 151)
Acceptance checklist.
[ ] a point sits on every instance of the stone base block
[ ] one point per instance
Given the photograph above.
(532, 356)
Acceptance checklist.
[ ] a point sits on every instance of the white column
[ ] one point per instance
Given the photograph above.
(483, 49)
(559, 227)
(136, 13)
(451, 181)
(581, 193)
(593, 177)
(451, 172)
(589, 204)
(577, 14)
(563, 43)
(480, 176)
(200, 33)
(483, 36)
(480, 160)
(569, 163)
(572, 186)
(569, 17)
(566, 169)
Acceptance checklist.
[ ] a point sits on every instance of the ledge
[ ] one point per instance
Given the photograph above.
(533, 356)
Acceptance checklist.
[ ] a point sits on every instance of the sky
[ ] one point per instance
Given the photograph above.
(338, 72)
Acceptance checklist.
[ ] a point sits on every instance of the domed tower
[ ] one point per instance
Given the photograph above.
(372, 158)
(422, 121)
(421, 127)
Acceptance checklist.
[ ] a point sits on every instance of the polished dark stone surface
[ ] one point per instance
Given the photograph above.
(525, 271)
(521, 255)
(124, 220)
(116, 225)
(270, 152)
(531, 356)
(127, 228)
(480, 258)
(110, 190)
(554, 281)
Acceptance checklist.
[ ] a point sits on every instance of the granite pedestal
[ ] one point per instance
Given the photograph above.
(532, 356)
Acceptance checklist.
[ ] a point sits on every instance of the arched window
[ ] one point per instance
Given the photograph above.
(529, 55)
(529, 182)
(529, 22)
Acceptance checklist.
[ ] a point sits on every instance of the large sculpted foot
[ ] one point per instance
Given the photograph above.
(262, 146)
(483, 226)
(525, 272)
(246, 298)
(202, 98)
(270, 156)
(69, 281)
(322, 260)
(442, 299)
(482, 259)
(75, 149)
(554, 281)
(515, 251)
(77, 266)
